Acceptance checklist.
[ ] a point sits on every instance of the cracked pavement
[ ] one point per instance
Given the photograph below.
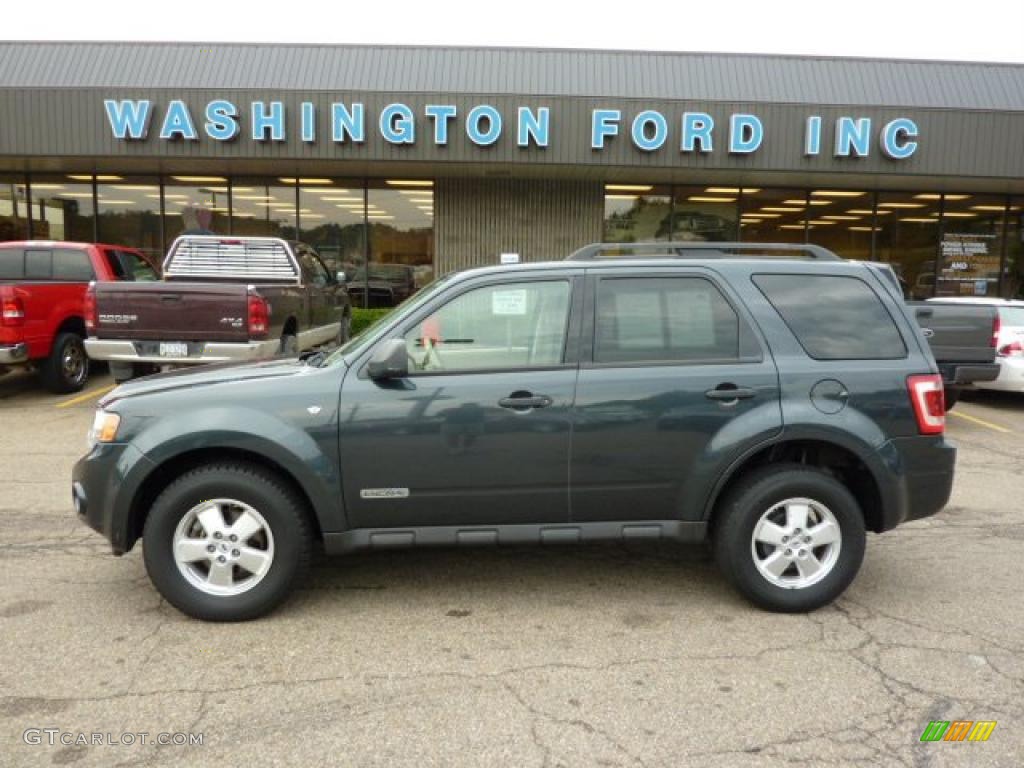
(600, 655)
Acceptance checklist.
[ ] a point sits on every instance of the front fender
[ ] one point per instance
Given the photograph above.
(226, 427)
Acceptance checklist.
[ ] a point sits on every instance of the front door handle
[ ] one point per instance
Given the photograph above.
(524, 401)
(730, 392)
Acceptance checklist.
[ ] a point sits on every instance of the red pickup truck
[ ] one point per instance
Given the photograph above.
(42, 296)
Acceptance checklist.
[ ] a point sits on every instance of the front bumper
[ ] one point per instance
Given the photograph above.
(103, 484)
(13, 354)
(205, 352)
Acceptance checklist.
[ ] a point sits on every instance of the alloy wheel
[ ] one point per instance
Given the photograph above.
(223, 547)
(796, 543)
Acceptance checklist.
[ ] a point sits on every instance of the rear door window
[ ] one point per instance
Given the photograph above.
(12, 263)
(73, 265)
(664, 320)
(38, 264)
(834, 317)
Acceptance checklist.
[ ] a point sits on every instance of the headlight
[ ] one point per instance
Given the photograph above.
(104, 428)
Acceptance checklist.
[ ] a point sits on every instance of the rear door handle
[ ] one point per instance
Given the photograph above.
(524, 401)
(730, 393)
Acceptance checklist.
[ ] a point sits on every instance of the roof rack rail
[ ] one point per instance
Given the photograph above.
(696, 250)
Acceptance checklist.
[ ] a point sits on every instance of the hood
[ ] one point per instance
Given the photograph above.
(206, 375)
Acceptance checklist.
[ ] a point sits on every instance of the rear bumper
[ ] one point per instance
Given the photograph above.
(206, 352)
(922, 468)
(965, 375)
(13, 354)
(1011, 376)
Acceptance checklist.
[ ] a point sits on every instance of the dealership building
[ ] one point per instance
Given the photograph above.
(401, 163)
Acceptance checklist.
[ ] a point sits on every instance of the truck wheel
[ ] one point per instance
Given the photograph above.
(226, 542)
(289, 346)
(790, 538)
(67, 367)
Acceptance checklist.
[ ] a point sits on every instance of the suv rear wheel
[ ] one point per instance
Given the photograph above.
(790, 537)
(226, 542)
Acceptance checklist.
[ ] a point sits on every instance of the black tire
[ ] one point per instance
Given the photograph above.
(289, 346)
(742, 508)
(67, 368)
(951, 396)
(284, 513)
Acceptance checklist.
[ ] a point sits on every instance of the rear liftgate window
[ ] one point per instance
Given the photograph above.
(834, 317)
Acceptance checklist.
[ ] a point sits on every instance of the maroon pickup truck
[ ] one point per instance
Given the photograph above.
(221, 299)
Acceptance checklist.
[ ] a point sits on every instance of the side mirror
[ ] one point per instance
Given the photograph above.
(341, 277)
(390, 361)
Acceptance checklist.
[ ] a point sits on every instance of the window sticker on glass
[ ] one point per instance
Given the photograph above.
(510, 302)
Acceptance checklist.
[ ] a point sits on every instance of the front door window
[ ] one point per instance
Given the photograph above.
(507, 326)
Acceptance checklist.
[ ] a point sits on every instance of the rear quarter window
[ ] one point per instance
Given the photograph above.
(834, 317)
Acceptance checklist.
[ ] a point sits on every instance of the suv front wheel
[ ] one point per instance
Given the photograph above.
(790, 537)
(226, 542)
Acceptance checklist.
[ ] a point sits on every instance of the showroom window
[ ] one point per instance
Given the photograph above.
(195, 205)
(332, 218)
(842, 220)
(129, 213)
(13, 208)
(909, 231)
(637, 212)
(264, 206)
(1013, 277)
(62, 208)
(972, 245)
(705, 213)
(774, 215)
(400, 229)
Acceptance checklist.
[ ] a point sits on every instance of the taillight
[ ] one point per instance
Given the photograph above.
(997, 326)
(259, 316)
(89, 308)
(1013, 349)
(13, 312)
(926, 395)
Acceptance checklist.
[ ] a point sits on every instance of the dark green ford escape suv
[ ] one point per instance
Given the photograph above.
(775, 400)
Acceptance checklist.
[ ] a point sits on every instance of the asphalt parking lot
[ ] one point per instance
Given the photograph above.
(601, 655)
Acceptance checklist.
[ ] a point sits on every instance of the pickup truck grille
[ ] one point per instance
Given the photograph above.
(210, 257)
